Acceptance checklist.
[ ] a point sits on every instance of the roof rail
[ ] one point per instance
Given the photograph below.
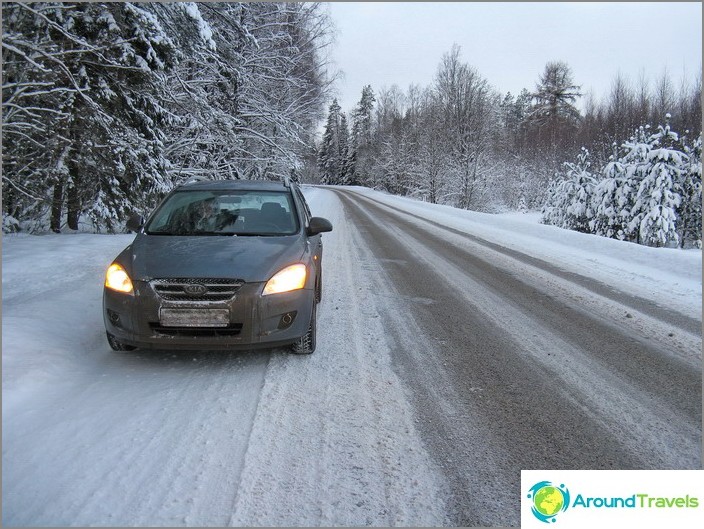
(287, 181)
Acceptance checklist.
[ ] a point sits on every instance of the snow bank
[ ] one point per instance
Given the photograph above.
(666, 276)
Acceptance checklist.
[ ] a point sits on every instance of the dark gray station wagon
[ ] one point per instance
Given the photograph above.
(232, 264)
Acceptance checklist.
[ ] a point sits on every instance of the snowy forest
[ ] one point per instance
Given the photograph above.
(618, 169)
(107, 106)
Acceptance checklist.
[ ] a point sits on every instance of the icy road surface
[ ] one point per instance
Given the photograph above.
(454, 349)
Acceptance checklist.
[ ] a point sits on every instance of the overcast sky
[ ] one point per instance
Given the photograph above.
(388, 43)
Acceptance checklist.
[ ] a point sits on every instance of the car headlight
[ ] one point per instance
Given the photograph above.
(117, 279)
(290, 278)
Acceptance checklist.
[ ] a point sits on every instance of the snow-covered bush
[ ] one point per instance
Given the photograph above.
(689, 186)
(651, 194)
(654, 213)
(610, 201)
(569, 198)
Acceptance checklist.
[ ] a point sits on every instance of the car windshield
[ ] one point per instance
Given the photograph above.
(190, 212)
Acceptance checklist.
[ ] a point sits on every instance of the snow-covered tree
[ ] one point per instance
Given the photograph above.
(689, 187)
(344, 148)
(107, 105)
(249, 102)
(654, 213)
(635, 164)
(651, 194)
(356, 167)
(569, 197)
(514, 120)
(90, 76)
(398, 165)
(331, 157)
(362, 117)
(554, 114)
(468, 103)
(433, 156)
(611, 211)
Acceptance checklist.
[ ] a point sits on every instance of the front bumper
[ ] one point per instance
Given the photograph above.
(253, 320)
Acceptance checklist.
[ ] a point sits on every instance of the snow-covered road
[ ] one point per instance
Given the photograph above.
(452, 352)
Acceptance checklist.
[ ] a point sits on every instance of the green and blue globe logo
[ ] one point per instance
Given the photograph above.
(548, 500)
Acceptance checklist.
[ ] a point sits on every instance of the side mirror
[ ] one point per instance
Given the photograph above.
(135, 223)
(318, 225)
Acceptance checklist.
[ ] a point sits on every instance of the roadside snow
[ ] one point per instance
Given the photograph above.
(51, 297)
(92, 437)
(671, 278)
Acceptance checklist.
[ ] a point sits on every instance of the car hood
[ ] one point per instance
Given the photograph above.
(252, 259)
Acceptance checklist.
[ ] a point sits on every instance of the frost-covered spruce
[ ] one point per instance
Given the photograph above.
(522, 206)
(360, 140)
(689, 186)
(98, 82)
(330, 157)
(569, 198)
(635, 167)
(655, 208)
(610, 217)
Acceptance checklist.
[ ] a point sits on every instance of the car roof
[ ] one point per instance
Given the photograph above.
(234, 185)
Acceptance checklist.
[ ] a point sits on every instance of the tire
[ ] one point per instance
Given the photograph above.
(306, 343)
(117, 345)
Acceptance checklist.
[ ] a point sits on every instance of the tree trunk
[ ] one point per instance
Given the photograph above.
(74, 208)
(57, 203)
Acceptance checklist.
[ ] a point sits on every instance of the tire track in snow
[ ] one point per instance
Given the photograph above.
(171, 456)
(124, 438)
(199, 478)
(495, 341)
(334, 441)
(674, 318)
(676, 334)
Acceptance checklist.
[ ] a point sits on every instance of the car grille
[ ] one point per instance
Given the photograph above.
(196, 289)
(196, 332)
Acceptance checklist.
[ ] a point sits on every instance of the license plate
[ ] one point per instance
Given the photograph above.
(194, 317)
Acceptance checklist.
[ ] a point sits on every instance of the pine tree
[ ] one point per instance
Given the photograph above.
(514, 120)
(655, 210)
(553, 114)
(362, 118)
(343, 151)
(100, 71)
(635, 168)
(689, 187)
(610, 216)
(569, 198)
(349, 166)
(329, 161)
(360, 141)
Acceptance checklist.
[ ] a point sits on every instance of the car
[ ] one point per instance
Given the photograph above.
(221, 264)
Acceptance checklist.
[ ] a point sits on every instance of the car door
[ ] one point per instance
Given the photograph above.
(315, 241)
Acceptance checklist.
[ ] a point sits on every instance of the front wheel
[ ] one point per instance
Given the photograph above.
(306, 343)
